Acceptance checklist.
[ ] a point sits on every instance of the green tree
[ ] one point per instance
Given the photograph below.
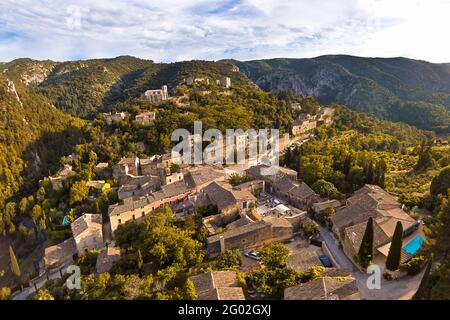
(423, 292)
(190, 292)
(395, 251)
(425, 158)
(365, 253)
(325, 189)
(36, 213)
(15, 268)
(44, 294)
(274, 255)
(409, 200)
(139, 261)
(441, 183)
(229, 259)
(5, 293)
(23, 206)
(310, 229)
(78, 192)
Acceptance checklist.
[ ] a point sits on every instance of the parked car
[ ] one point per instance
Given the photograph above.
(252, 254)
(325, 261)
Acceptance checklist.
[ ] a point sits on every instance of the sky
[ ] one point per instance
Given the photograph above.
(174, 30)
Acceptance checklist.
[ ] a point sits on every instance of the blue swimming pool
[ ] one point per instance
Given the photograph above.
(414, 245)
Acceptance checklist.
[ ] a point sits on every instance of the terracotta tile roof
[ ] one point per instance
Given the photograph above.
(220, 194)
(86, 221)
(326, 204)
(61, 252)
(106, 259)
(369, 201)
(201, 176)
(217, 285)
(324, 288)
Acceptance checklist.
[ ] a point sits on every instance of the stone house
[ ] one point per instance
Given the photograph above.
(114, 117)
(139, 187)
(60, 254)
(301, 126)
(131, 209)
(325, 115)
(101, 169)
(87, 232)
(225, 81)
(57, 180)
(299, 194)
(126, 166)
(349, 223)
(217, 285)
(157, 95)
(270, 174)
(325, 288)
(145, 117)
(250, 235)
(106, 259)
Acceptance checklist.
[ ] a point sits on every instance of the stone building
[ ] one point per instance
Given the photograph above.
(217, 285)
(157, 95)
(58, 179)
(126, 166)
(87, 232)
(349, 223)
(225, 81)
(303, 125)
(131, 209)
(250, 235)
(114, 117)
(145, 117)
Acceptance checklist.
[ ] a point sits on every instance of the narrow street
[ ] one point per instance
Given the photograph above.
(39, 283)
(338, 254)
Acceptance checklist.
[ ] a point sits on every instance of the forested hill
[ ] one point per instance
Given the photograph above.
(84, 88)
(397, 89)
(33, 135)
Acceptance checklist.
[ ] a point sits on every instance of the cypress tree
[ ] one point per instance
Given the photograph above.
(347, 164)
(422, 292)
(395, 251)
(139, 260)
(369, 177)
(14, 264)
(365, 253)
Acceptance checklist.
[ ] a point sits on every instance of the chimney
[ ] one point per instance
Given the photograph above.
(222, 244)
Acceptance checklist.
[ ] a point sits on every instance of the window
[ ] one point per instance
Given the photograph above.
(143, 213)
(120, 221)
(134, 217)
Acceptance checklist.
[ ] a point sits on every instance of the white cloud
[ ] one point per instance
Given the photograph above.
(242, 29)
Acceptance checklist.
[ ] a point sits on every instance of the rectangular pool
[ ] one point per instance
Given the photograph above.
(414, 245)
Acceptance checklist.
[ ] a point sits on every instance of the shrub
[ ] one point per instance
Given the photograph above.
(310, 229)
(413, 266)
(5, 293)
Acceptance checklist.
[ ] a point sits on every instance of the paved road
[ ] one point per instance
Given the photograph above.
(338, 254)
(39, 283)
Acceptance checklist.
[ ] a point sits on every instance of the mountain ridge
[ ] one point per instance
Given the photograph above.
(398, 89)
